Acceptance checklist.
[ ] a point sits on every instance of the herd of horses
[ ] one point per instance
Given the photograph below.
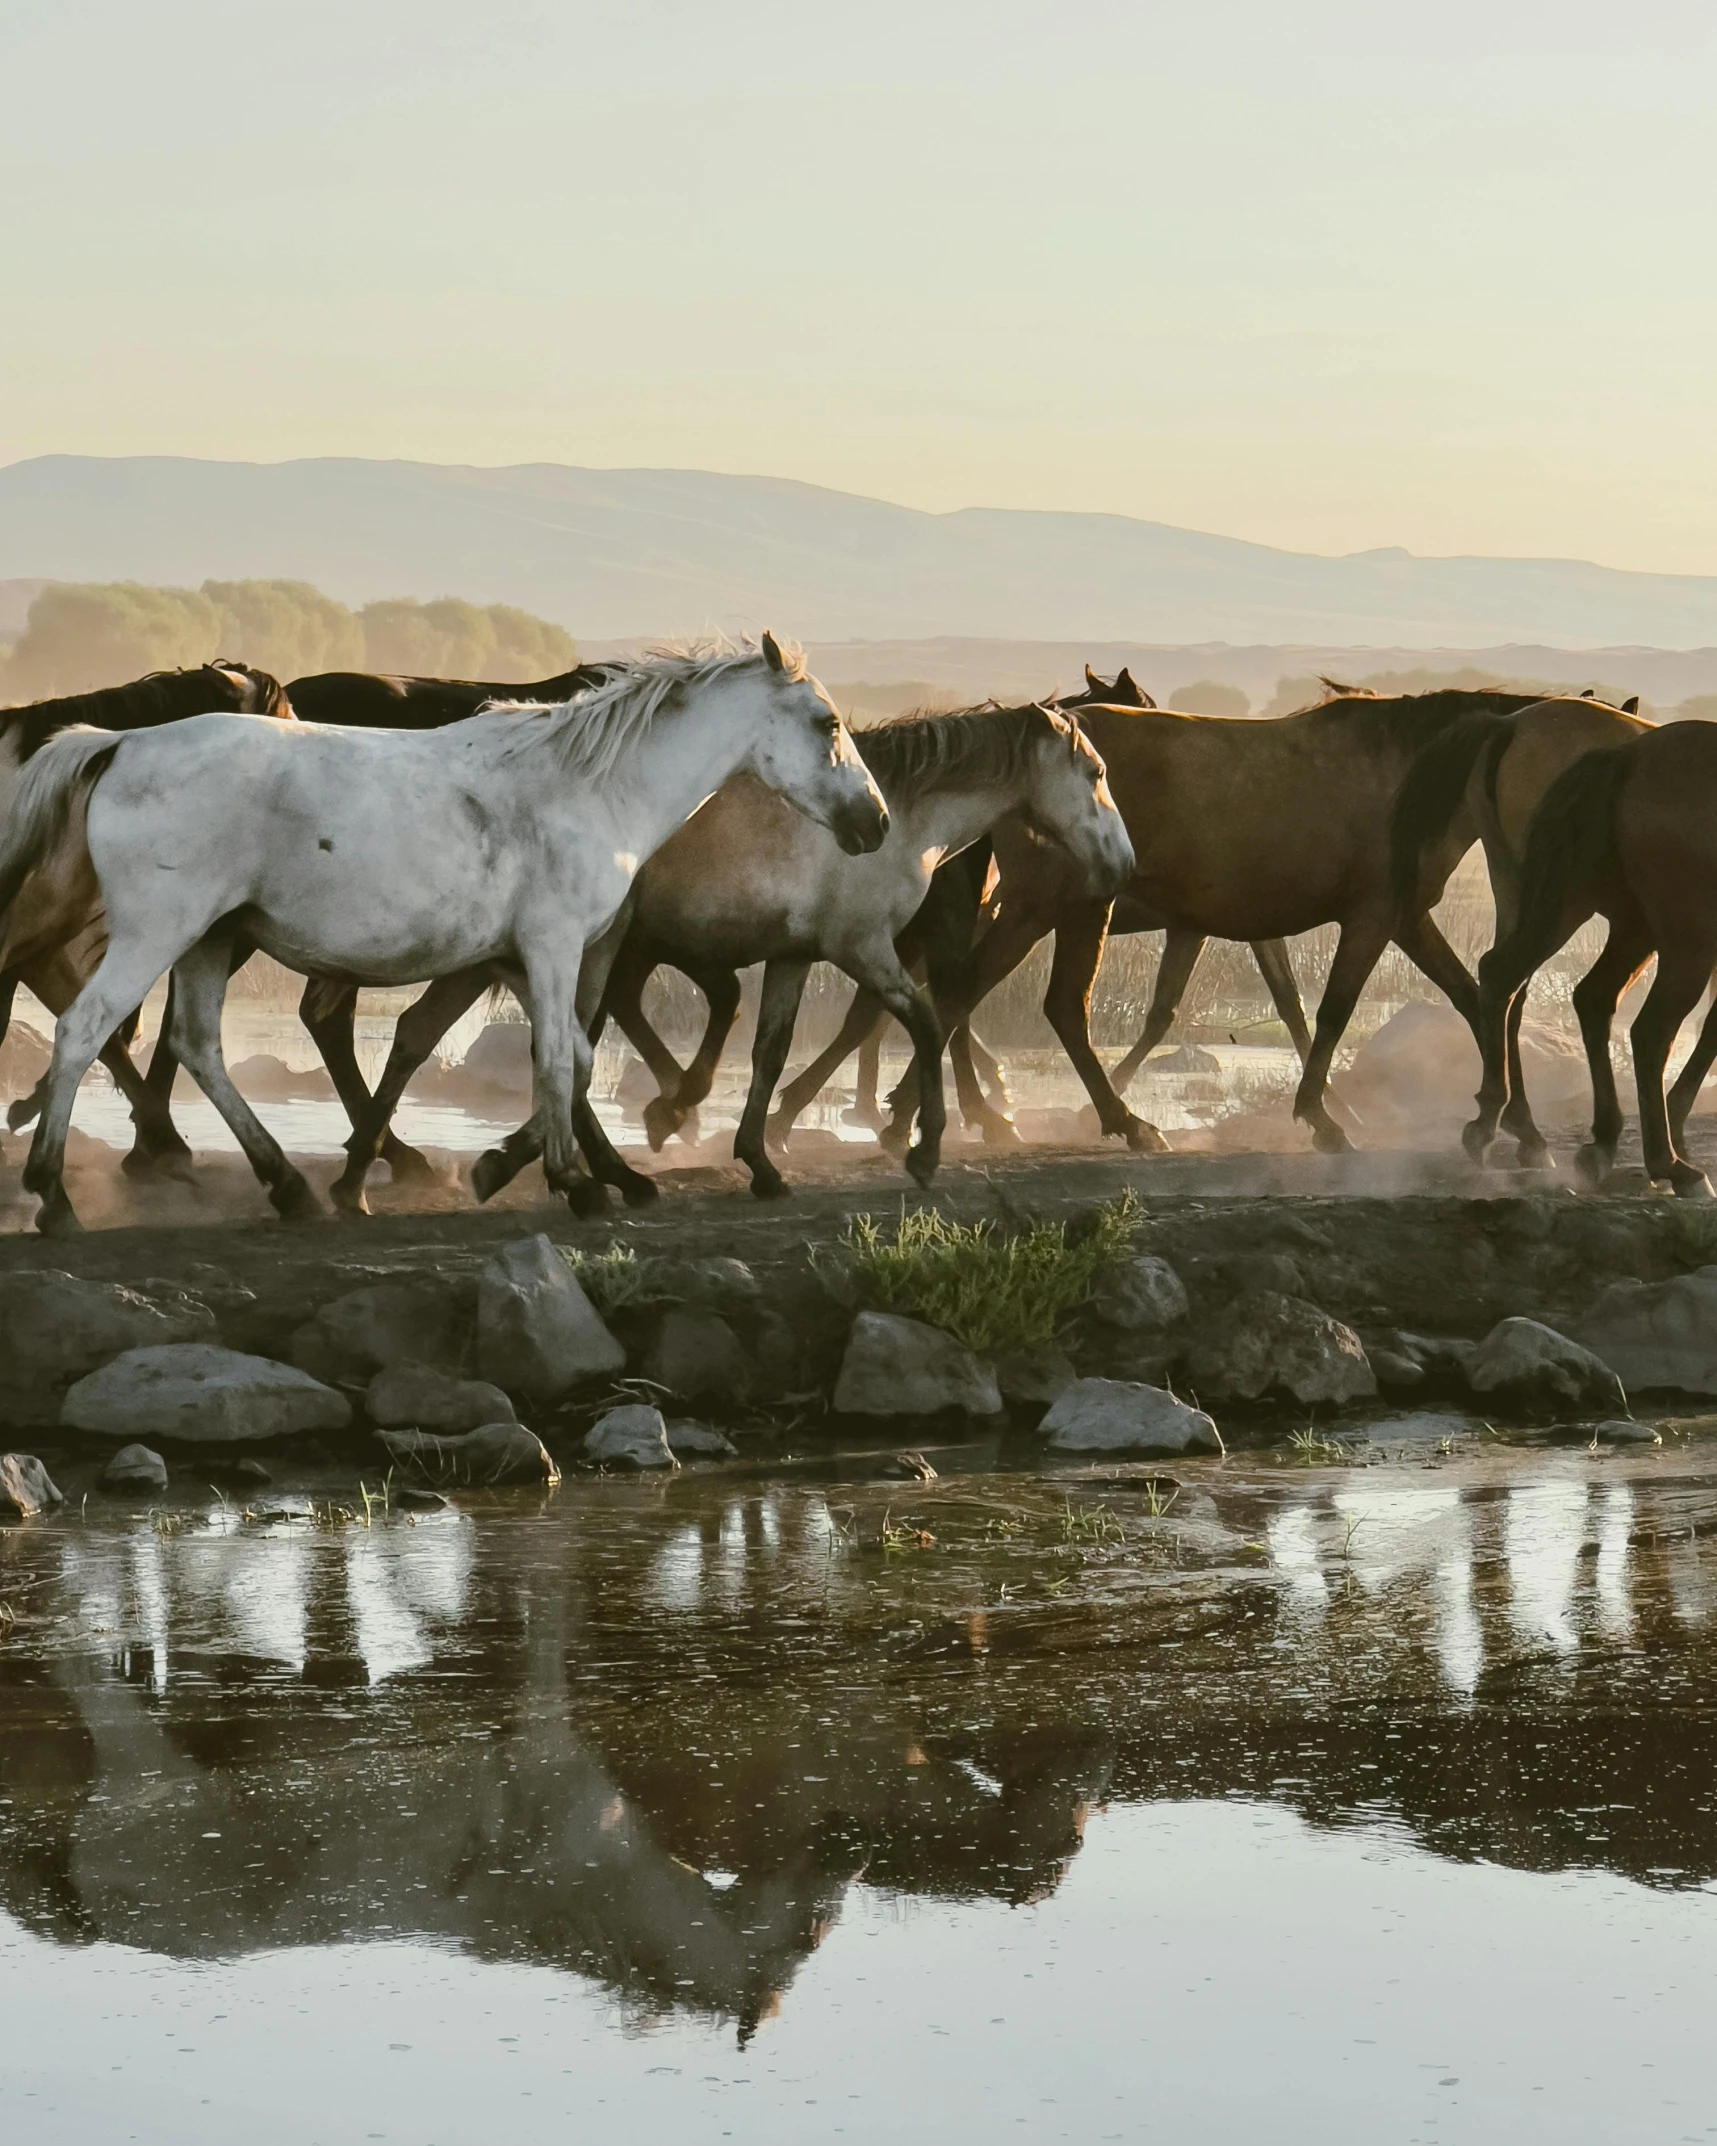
(705, 808)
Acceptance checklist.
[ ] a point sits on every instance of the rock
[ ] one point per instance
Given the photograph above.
(1140, 1296)
(263, 1078)
(245, 1471)
(1416, 1077)
(1034, 1378)
(1437, 1356)
(1394, 1373)
(418, 1394)
(900, 1367)
(1265, 1343)
(135, 1468)
(697, 1441)
(54, 1328)
(696, 1355)
(909, 1467)
(1624, 1431)
(501, 1058)
(1536, 1369)
(717, 1284)
(1248, 1272)
(493, 1453)
(1122, 1416)
(630, 1437)
(537, 1331)
(367, 1330)
(197, 1394)
(1185, 1058)
(1657, 1336)
(26, 1488)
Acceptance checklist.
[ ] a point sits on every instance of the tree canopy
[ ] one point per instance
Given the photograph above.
(83, 635)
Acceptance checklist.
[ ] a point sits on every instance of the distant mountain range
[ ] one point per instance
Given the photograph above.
(628, 553)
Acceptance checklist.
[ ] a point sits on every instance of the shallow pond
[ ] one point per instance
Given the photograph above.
(1354, 1804)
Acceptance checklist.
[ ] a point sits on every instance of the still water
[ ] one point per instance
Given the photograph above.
(1370, 1804)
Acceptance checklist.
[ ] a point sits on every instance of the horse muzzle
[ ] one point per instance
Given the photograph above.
(1109, 871)
(861, 826)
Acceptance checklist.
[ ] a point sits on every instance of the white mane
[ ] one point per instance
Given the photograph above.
(595, 730)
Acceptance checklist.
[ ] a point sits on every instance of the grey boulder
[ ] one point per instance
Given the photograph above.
(1143, 1296)
(367, 1330)
(718, 1284)
(695, 1355)
(1123, 1416)
(196, 1394)
(1268, 1344)
(537, 1331)
(1533, 1368)
(1034, 1378)
(55, 1327)
(1657, 1335)
(135, 1468)
(431, 1400)
(26, 1488)
(630, 1437)
(493, 1453)
(900, 1367)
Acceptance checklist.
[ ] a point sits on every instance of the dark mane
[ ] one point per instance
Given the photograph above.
(912, 755)
(160, 697)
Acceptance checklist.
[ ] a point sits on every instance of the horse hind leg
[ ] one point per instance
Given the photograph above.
(1067, 1004)
(1181, 950)
(201, 977)
(1682, 974)
(777, 1010)
(1625, 952)
(1688, 1082)
(1356, 955)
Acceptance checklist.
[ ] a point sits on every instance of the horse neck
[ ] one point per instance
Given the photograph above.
(682, 759)
(949, 818)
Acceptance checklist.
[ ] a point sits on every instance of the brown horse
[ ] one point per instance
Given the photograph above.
(1627, 832)
(53, 936)
(1482, 781)
(1243, 829)
(369, 700)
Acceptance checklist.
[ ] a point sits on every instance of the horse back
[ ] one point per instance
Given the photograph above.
(1543, 740)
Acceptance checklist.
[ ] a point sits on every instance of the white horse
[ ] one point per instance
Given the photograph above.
(388, 857)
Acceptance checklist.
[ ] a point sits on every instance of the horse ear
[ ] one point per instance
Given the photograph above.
(1093, 684)
(1588, 692)
(772, 652)
(1631, 705)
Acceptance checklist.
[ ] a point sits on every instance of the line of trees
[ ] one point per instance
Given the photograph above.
(80, 636)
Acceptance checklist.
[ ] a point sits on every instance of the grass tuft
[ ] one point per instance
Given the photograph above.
(995, 1292)
(616, 1279)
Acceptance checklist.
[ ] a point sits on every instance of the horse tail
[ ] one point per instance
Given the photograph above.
(1571, 843)
(8, 993)
(66, 767)
(1431, 794)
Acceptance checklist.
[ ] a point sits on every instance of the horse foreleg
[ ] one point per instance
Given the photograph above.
(1625, 952)
(1357, 951)
(867, 1110)
(622, 1003)
(561, 1061)
(778, 1009)
(1181, 949)
(665, 1114)
(1682, 974)
(957, 988)
(1688, 1082)
(416, 1033)
(863, 1019)
(329, 1011)
(1079, 936)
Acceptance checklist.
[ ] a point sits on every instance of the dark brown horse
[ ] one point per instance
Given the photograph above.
(1243, 829)
(367, 700)
(53, 936)
(1628, 832)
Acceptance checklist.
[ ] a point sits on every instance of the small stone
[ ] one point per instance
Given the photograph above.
(699, 1441)
(537, 1331)
(431, 1400)
(900, 1367)
(1395, 1373)
(1121, 1415)
(1624, 1431)
(630, 1437)
(1268, 1344)
(695, 1355)
(1140, 1296)
(245, 1471)
(1540, 1371)
(493, 1453)
(55, 1328)
(1438, 1356)
(910, 1467)
(197, 1394)
(26, 1488)
(135, 1467)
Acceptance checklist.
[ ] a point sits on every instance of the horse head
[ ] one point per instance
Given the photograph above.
(806, 752)
(1069, 803)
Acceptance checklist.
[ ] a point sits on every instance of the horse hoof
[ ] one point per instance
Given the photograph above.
(1591, 1166)
(488, 1175)
(1476, 1138)
(349, 1201)
(20, 1113)
(637, 1190)
(58, 1218)
(1533, 1154)
(662, 1120)
(778, 1132)
(892, 1140)
(411, 1168)
(293, 1201)
(1689, 1183)
(864, 1114)
(1329, 1139)
(1000, 1132)
(770, 1188)
(176, 1164)
(1144, 1139)
(921, 1163)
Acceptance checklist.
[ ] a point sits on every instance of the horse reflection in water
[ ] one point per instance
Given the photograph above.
(653, 1740)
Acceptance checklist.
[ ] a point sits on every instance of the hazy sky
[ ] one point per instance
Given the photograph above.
(1331, 275)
